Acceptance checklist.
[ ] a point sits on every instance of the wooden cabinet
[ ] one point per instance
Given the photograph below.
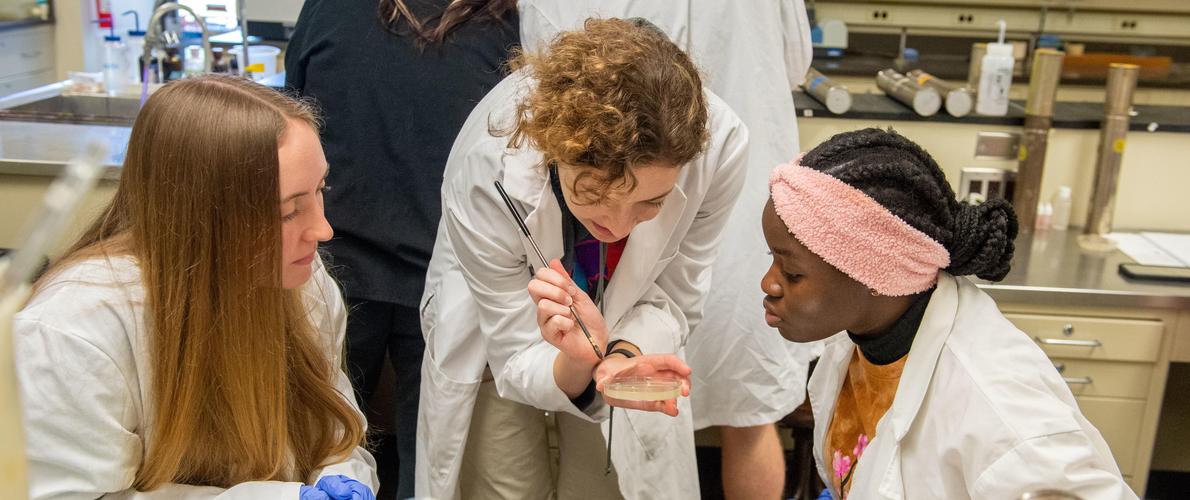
(26, 58)
(1115, 362)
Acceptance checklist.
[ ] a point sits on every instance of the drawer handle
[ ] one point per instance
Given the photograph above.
(1078, 380)
(30, 55)
(1070, 342)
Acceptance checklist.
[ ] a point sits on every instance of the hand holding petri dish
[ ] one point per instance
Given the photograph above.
(642, 388)
(647, 382)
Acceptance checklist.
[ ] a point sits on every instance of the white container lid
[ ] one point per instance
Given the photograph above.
(958, 103)
(927, 102)
(838, 100)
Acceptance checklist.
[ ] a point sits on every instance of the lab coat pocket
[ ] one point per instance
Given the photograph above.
(427, 314)
(652, 430)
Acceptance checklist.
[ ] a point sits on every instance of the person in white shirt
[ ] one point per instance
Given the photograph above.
(607, 144)
(753, 54)
(189, 344)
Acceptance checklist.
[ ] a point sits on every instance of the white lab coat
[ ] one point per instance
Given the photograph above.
(84, 374)
(752, 53)
(979, 413)
(476, 310)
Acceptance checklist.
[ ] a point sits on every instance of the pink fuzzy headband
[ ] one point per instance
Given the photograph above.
(855, 233)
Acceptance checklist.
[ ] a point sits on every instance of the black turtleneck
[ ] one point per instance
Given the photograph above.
(893, 344)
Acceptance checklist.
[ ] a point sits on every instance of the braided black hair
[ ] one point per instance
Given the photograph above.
(906, 180)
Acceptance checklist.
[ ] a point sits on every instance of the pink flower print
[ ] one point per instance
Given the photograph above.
(860, 445)
(842, 465)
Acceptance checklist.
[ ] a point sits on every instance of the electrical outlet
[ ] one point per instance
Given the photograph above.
(997, 145)
(964, 19)
(879, 16)
(979, 184)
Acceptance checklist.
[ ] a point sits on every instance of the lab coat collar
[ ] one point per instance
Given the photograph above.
(936, 325)
(526, 181)
(919, 370)
(642, 256)
(823, 391)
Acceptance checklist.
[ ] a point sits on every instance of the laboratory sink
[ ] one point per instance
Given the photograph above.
(77, 108)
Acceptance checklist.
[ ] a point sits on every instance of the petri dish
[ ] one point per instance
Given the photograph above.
(643, 388)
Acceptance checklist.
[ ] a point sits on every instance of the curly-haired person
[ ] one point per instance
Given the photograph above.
(924, 390)
(625, 170)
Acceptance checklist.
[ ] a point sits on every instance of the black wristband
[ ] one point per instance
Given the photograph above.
(627, 354)
(582, 401)
(611, 346)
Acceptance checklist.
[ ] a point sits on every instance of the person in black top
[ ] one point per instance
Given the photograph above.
(395, 80)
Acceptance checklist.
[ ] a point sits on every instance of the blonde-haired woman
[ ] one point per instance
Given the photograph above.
(188, 345)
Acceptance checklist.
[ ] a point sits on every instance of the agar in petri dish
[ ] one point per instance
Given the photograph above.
(643, 388)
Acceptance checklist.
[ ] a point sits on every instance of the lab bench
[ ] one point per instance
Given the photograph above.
(1112, 338)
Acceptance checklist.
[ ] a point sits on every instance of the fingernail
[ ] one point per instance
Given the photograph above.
(569, 299)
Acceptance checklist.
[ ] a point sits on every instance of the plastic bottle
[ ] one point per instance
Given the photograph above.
(115, 57)
(995, 77)
(1060, 220)
(136, 48)
(1045, 214)
(194, 61)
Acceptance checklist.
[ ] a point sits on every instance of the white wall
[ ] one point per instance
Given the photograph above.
(285, 11)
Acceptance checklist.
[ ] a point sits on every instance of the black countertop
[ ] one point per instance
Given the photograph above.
(1067, 115)
(954, 68)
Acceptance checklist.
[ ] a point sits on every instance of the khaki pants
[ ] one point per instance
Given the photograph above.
(508, 454)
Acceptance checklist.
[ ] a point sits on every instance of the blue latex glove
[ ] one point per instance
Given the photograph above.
(345, 488)
(825, 495)
(312, 493)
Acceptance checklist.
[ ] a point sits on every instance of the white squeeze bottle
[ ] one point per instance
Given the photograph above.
(995, 77)
(1060, 220)
(115, 58)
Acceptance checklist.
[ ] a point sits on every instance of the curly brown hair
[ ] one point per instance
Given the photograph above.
(614, 95)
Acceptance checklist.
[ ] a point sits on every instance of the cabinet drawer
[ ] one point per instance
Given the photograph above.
(1075, 337)
(1106, 378)
(26, 51)
(1119, 421)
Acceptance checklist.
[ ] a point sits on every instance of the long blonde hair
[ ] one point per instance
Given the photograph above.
(242, 388)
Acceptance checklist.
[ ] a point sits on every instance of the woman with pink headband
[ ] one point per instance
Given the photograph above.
(927, 391)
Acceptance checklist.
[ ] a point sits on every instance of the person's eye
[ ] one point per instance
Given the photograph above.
(792, 277)
(291, 216)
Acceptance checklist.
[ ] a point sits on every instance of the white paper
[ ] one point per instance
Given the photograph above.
(1176, 245)
(1143, 250)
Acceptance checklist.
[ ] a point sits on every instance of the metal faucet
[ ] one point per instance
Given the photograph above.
(243, 58)
(154, 35)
